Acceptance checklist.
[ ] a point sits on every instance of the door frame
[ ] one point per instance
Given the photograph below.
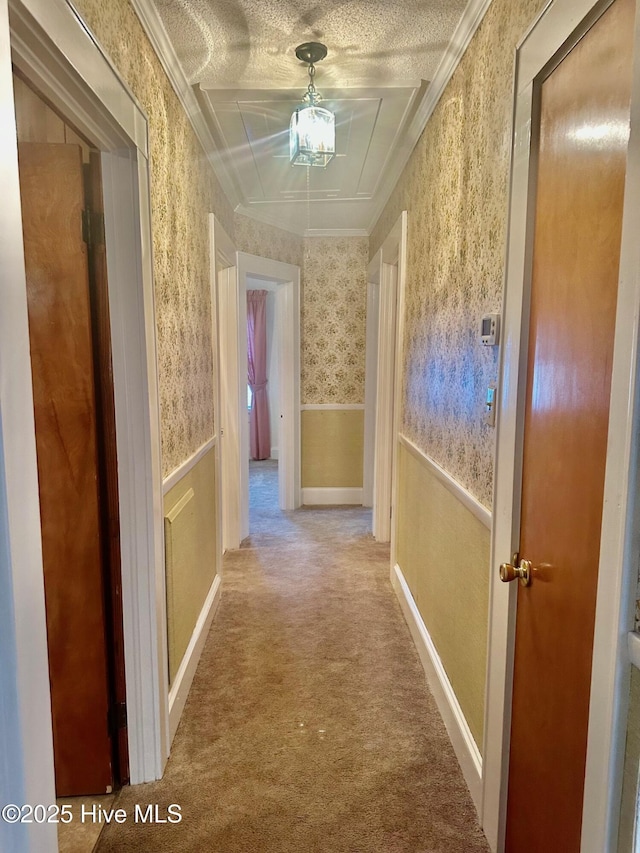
(223, 262)
(389, 266)
(54, 50)
(232, 315)
(539, 50)
(371, 376)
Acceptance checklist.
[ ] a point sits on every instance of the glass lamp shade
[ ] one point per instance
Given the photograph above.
(312, 136)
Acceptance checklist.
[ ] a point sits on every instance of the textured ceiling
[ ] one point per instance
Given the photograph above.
(248, 42)
(239, 57)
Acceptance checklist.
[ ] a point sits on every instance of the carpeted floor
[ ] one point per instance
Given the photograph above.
(309, 727)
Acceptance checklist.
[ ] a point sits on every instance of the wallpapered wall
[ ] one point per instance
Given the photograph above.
(267, 241)
(183, 192)
(455, 188)
(333, 305)
(333, 319)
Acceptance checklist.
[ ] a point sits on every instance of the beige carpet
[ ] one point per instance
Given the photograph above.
(309, 728)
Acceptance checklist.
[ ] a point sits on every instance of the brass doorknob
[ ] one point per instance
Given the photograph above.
(509, 572)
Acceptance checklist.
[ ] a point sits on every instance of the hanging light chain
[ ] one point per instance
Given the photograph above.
(312, 96)
(308, 199)
(312, 127)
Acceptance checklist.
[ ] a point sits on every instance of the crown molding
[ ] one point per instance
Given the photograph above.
(259, 214)
(464, 32)
(160, 42)
(336, 232)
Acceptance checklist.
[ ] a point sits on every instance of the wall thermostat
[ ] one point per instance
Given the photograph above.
(490, 330)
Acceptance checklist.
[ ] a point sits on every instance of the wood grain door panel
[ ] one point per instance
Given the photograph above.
(52, 194)
(108, 457)
(580, 190)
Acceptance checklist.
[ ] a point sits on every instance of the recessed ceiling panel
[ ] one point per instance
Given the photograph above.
(239, 55)
(355, 124)
(254, 132)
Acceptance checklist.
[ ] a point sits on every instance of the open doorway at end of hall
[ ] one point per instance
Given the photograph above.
(231, 300)
(263, 397)
(70, 344)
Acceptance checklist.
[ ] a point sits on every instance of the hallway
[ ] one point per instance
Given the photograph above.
(309, 726)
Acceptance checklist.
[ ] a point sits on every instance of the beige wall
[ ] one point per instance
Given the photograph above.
(190, 553)
(183, 192)
(443, 552)
(332, 448)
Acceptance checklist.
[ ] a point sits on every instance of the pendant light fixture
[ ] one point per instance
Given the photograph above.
(312, 132)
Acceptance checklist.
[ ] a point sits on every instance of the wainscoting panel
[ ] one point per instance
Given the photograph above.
(332, 448)
(190, 554)
(443, 552)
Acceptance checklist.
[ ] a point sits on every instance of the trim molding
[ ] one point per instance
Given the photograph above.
(70, 66)
(91, 63)
(331, 497)
(474, 506)
(335, 407)
(257, 213)
(310, 233)
(184, 677)
(178, 473)
(25, 719)
(462, 740)
(157, 35)
(161, 44)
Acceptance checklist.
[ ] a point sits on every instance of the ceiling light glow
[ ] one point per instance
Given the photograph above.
(312, 130)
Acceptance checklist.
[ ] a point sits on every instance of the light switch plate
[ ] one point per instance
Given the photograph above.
(490, 404)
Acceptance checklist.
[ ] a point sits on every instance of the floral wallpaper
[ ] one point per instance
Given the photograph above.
(333, 319)
(183, 192)
(334, 281)
(455, 189)
(267, 241)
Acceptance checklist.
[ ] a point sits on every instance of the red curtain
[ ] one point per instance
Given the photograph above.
(260, 433)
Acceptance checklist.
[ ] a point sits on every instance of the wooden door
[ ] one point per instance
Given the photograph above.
(584, 126)
(51, 182)
(107, 459)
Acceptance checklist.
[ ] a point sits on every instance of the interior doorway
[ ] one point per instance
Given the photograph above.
(49, 45)
(384, 342)
(578, 228)
(264, 316)
(231, 300)
(70, 343)
(568, 365)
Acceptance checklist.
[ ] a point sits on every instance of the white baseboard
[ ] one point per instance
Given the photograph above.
(327, 497)
(182, 683)
(464, 745)
(274, 453)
